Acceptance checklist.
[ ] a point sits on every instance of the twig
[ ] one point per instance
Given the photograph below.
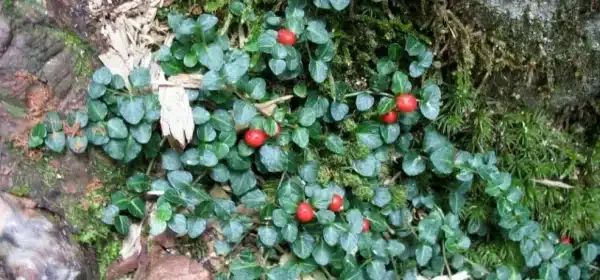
(368, 92)
(550, 183)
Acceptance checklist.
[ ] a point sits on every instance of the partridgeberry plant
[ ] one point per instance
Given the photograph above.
(354, 183)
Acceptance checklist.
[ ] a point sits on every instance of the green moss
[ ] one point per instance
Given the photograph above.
(107, 254)
(82, 53)
(20, 190)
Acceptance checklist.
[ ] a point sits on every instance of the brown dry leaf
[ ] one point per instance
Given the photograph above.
(176, 117)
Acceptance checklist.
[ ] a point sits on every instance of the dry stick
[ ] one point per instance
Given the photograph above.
(550, 183)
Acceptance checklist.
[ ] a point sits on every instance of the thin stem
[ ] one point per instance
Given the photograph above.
(368, 92)
(394, 266)
(329, 276)
(199, 177)
(154, 159)
(446, 260)
(241, 35)
(225, 27)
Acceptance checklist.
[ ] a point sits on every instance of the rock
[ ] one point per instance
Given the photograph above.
(32, 247)
(545, 53)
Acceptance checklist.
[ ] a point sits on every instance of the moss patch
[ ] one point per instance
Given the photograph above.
(82, 53)
(20, 190)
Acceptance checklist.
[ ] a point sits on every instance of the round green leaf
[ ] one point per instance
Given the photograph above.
(141, 132)
(140, 78)
(131, 109)
(195, 227)
(364, 101)
(317, 33)
(267, 236)
(303, 246)
(413, 164)
(318, 70)
(96, 90)
(77, 144)
(56, 141)
(102, 76)
(117, 128)
(109, 214)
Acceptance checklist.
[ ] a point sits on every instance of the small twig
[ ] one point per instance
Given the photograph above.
(368, 92)
(550, 183)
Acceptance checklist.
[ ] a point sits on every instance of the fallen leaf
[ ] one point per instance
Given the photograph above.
(176, 119)
(267, 108)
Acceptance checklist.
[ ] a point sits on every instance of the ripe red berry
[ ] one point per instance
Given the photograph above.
(389, 117)
(305, 212)
(366, 225)
(255, 137)
(406, 103)
(337, 203)
(565, 240)
(286, 37)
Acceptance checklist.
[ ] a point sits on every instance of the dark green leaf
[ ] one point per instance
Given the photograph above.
(254, 199)
(221, 120)
(210, 56)
(200, 115)
(117, 128)
(137, 208)
(355, 220)
(122, 224)
(96, 90)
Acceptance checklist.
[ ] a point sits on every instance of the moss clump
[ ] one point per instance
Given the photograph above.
(20, 190)
(399, 195)
(82, 53)
(349, 125)
(357, 151)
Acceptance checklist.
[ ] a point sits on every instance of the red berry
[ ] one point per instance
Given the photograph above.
(406, 103)
(389, 117)
(565, 240)
(286, 37)
(305, 212)
(255, 137)
(337, 203)
(366, 225)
